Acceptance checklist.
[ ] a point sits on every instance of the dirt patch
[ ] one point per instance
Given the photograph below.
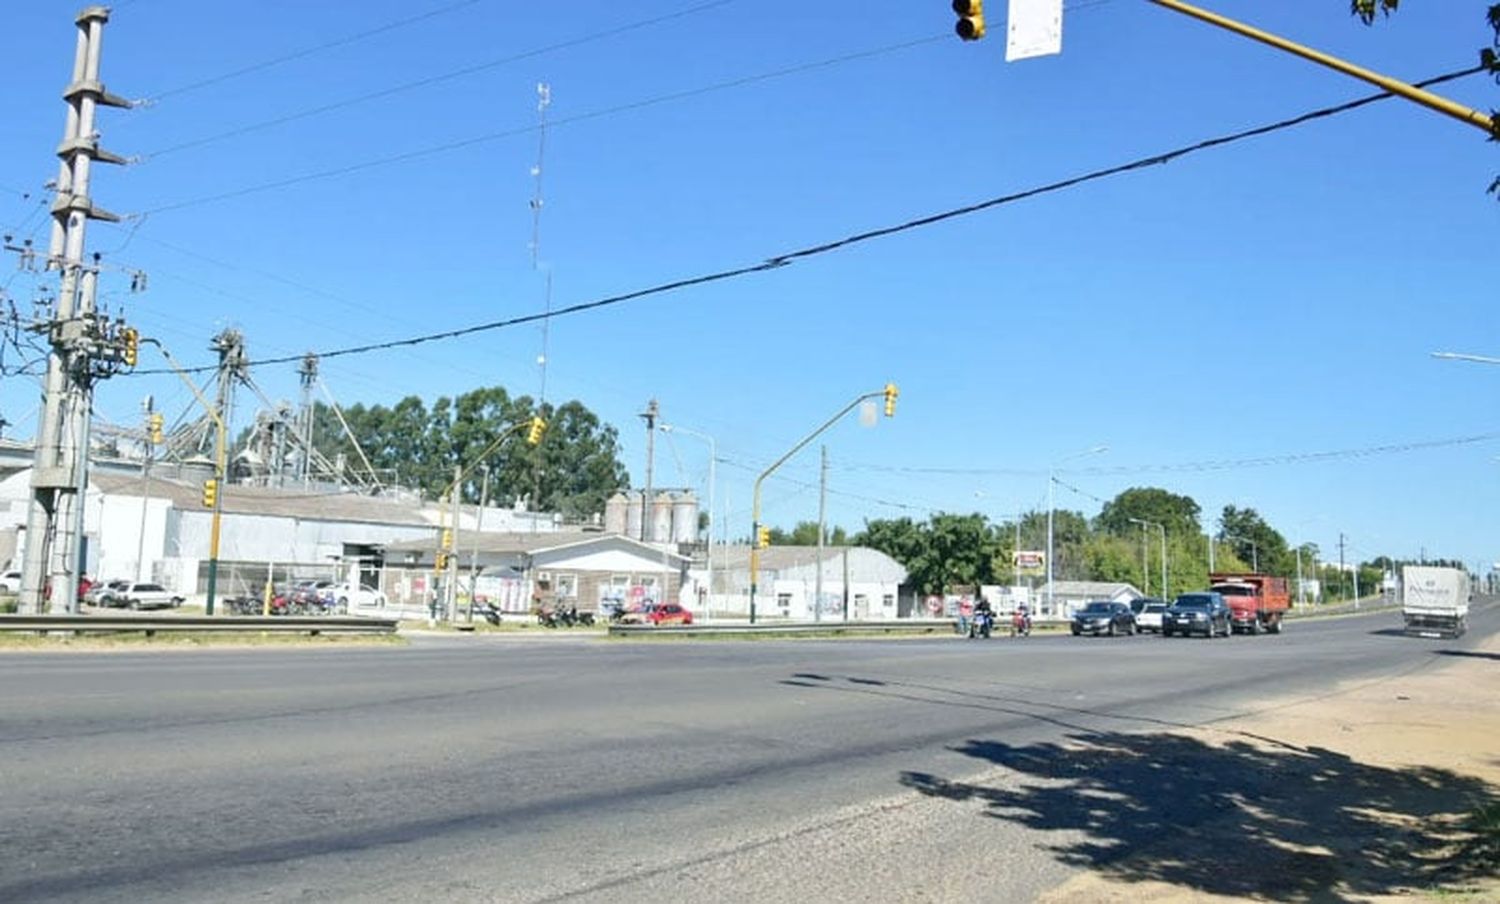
(1382, 791)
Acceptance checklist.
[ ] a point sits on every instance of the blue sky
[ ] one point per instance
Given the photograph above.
(1265, 300)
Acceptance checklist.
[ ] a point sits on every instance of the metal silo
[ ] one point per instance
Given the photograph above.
(661, 518)
(633, 515)
(685, 518)
(616, 510)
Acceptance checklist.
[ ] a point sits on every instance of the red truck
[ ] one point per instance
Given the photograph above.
(1256, 602)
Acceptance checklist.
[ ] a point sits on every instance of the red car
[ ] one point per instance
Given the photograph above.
(669, 614)
(656, 614)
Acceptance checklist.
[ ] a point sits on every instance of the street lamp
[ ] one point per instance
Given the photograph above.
(1145, 524)
(713, 456)
(1052, 507)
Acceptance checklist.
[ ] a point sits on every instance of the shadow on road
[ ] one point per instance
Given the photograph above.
(1473, 654)
(1273, 820)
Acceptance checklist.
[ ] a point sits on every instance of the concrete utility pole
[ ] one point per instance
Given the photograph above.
(307, 372)
(651, 413)
(822, 508)
(1341, 557)
(80, 344)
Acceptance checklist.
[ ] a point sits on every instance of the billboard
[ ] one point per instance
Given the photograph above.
(1029, 561)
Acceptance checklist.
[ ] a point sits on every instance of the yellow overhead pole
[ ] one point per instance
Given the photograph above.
(448, 542)
(219, 468)
(1395, 86)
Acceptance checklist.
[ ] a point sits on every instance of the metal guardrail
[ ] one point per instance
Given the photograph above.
(799, 629)
(1368, 604)
(247, 624)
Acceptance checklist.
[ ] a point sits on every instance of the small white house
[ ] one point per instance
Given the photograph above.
(860, 582)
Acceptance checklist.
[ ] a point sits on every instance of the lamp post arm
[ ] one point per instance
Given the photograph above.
(755, 503)
(220, 466)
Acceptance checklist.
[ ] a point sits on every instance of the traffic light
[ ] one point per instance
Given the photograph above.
(447, 538)
(763, 537)
(132, 341)
(440, 562)
(970, 25)
(210, 492)
(890, 399)
(534, 433)
(154, 425)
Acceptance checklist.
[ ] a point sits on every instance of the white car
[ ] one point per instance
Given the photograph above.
(356, 597)
(10, 582)
(145, 596)
(1149, 618)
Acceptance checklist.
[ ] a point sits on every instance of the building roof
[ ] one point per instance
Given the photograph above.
(527, 542)
(1094, 589)
(272, 501)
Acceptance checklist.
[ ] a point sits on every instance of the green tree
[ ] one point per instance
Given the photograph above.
(1179, 514)
(573, 470)
(806, 534)
(1254, 541)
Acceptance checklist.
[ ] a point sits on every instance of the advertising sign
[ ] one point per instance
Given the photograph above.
(1029, 561)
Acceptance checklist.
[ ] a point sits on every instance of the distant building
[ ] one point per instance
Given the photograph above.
(786, 586)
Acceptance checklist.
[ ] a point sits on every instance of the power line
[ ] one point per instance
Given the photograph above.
(526, 130)
(790, 257)
(1232, 464)
(306, 52)
(434, 79)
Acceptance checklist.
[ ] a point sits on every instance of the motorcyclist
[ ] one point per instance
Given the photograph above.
(1022, 623)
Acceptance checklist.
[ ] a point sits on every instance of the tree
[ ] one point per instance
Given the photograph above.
(1254, 541)
(1179, 514)
(573, 470)
(806, 534)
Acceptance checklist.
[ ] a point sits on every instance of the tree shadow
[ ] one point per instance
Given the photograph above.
(1475, 654)
(1246, 818)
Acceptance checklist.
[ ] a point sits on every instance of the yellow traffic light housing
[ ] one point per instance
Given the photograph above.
(154, 427)
(131, 340)
(891, 392)
(440, 562)
(535, 431)
(970, 25)
(763, 537)
(447, 538)
(210, 492)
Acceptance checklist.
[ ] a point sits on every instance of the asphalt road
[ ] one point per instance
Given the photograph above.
(496, 769)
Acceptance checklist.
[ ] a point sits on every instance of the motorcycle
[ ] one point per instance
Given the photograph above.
(1020, 624)
(488, 612)
(981, 624)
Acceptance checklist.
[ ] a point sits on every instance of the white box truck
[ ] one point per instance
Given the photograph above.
(1435, 601)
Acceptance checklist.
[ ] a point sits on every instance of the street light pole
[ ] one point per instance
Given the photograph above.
(713, 457)
(890, 392)
(1052, 508)
(219, 472)
(1161, 527)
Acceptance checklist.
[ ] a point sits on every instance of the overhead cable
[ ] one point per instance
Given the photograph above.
(790, 257)
(431, 80)
(307, 52)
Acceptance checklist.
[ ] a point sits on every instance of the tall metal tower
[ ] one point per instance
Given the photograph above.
(82, 346)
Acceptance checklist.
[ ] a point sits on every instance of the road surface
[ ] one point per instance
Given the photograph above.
(494, 768)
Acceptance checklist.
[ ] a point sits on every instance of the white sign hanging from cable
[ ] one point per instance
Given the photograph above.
(1033, 28)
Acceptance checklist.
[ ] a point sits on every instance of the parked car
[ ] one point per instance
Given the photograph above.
(1103, 617)
(670, 614)
(1197, 613)
(104, 592)
(353, 597)
(10, 582)
(146, 596)
(656, 614)
(1150, 618)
